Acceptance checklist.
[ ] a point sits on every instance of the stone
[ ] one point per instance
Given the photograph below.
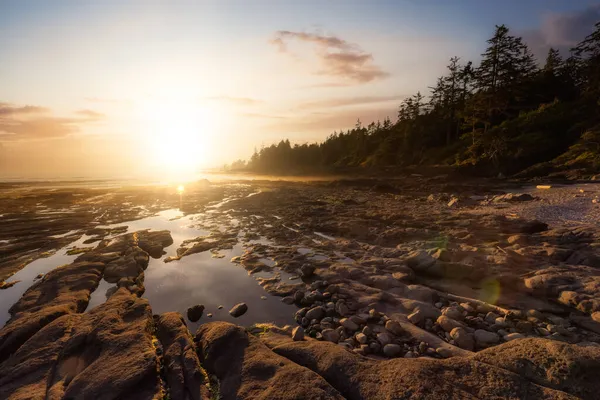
(384, 338)
(315, 313)
(349, 324)
(374, 347)
(330, 335)
(410, 354)
(524, 326)
(416, 318)
(288, 300)
(298, 334)
(361, 338)
(454, 312)
(448, 324)
(195, 313)
(444, 352)
(513, 336)
(367, 331)
(490, 317)
(485, 338)
(420, 261)
(307, 270)
(298, 296)
(392, 350)
(462, 339)
(394, 327)
(238, 310)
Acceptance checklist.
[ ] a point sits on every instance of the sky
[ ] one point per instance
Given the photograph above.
(129, 88)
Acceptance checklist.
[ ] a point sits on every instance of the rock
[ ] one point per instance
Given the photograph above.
(394, 327)
(524, 326)
(195, 313)
(536, 314)
(416, 318)
(330, 335)
(420, 261)
(315, 313)
(238, 310)
(513, 336)
(247, 369)
(569, 298)
(410, 354)
(462, 339)
(298, 296)
(443, 352)
(298, 334)
(288, 300)
(361, 338)
(485, 338)
(307, 270)
(349, 324)
(114, 338)
(384, 338)
(490, 318)
(454, 312)
(183, 372)
(392, 350)
(596, 316)
(448, 324)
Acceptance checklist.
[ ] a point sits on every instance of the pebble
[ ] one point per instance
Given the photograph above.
(392, 350)
(315, 313)
(238, 310)
(410, 354)
(209, 315)
(394, 327)
(288, 300)
(384, 338)
(416, 317)
(195, 313)
(298, 334)
(485, 338)
(330, 335)
(361, 338)
(349, 324)
(513, 336)
(263, 297)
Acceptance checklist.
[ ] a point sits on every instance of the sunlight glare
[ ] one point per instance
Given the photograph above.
(178, 133)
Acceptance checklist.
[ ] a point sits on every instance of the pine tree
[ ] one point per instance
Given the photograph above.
(554, 63)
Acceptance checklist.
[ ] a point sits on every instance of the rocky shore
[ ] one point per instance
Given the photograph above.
(409, 288)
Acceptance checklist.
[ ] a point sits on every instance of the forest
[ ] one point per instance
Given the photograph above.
(509, 115)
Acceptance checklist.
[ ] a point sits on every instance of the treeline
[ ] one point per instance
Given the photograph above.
(508, 114)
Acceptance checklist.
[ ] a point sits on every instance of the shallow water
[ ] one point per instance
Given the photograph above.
(175, 286)
(201, 278)
(27, 275)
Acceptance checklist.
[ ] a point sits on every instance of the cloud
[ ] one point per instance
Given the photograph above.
(562, 31)
(240, 101)
(338, 57)
(350, 101)
(8, 110)
(90, 114)
(19, 123)
(263, 116)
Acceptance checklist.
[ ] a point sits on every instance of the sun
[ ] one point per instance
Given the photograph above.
(178, 133)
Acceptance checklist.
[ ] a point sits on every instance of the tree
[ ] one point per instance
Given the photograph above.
(554, 63)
